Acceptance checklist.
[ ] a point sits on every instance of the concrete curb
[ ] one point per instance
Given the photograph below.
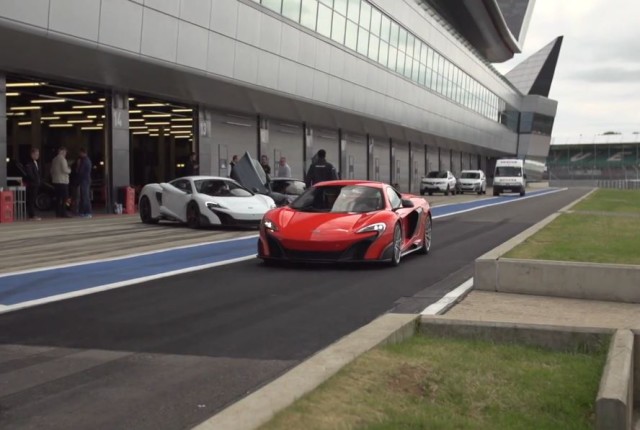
(614, 404)
(259, 407)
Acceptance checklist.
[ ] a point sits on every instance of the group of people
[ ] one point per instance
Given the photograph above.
(62, 177)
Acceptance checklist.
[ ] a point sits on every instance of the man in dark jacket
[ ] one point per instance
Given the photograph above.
(83, 171)
(33, 183)
(192, 168)
(321, 170)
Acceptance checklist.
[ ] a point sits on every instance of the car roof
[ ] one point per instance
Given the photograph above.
(346, 182)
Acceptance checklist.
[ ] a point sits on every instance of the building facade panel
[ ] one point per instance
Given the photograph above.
(197, 12)
(77, 18)
(35, 12)
(193, 43)
(120, 24)
(159, 35)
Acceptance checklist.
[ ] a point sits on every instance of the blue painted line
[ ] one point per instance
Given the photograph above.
(24, 287)
(40, 284)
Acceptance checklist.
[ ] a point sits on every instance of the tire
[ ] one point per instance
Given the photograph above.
(522, 192)
(193, 215)
(496, 192)
(145, 211)
(430, 193)
(428, 230)
(44, 202)
(397, 246)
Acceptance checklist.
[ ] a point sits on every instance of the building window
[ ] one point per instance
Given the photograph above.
(291, 9)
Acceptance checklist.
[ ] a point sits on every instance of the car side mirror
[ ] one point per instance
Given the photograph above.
(406, 203)
(254, 189)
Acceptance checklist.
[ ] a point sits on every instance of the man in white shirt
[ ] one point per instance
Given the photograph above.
(60, 178)
(284, 171)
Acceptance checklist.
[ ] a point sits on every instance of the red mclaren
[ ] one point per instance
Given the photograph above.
(347, 221)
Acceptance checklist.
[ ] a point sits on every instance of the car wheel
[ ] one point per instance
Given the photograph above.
(496, 192)
(145, 211)
(397, 246)
(426, 243)
(44, 202)
(193, 215)
(522, 192)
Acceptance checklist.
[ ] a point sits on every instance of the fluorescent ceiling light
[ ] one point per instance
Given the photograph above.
(12, 94)
(131, 99)
(67, 112)
(102, 99)
(158, 123)
(24, 84)
(136, 120)
(92, 116)
(80, 121)
(50, 118)
(25, 123)
(25, 107)
(182, 119)
(60, 125)
(157, 115)
(73, 93)
(91, 128)
(49, 101)
(181, 137)
(140, 127)
(15, 114)
(140, 132)
(151, 104)
(180, 126)
(89, 107)
(182, 110)
(154, 135)
(135, 111)
(154, 129)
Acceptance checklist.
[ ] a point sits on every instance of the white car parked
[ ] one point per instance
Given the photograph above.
(474, 181)
(442, 181)
(203, 200)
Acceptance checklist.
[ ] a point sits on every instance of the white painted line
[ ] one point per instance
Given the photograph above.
(30, 303)
(449, 299)
(513, 200)
(124, 257)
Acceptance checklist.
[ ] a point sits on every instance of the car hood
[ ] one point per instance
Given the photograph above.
(432, 180)
(312, 225)
(251, 204)
(469, 180)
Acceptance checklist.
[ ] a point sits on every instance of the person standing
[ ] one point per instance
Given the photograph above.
(264, 162)
(192, 168)
(232, 165)
(33, 183)
(60, 178)
(321, 170)
(83, 174)
(284, 171)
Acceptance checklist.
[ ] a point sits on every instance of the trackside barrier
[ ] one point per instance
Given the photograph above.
(127, 199)
(19, 203)
(6, 206)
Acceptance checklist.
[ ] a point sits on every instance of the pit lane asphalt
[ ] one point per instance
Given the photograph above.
(170, 353)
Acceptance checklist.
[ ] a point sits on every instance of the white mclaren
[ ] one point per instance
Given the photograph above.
(200, 201)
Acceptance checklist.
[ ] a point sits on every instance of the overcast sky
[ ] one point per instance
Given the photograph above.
(597, 80)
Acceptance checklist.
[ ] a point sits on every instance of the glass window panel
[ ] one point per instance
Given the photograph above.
(399, 66)
(374, 44)
(393, 38)
(402, 40)
(309, 13)
(410, 42)
(431, 79)
(354, 10)
(291, 9)
(351, 39)
(415, 71)
(417, 47)
(384, 53)
(365, 15)
(408, 67)
(324, 20)
(423, 53)
(430, 55)
(385, 27)
(439, 84)
(337, 29)
(275, 5)
(328, 3)
(376, 17)
(393, 57)
(363, 41)
(340, 6)
(421, 70)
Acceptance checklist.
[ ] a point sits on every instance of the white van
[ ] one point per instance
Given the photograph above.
(509, 176)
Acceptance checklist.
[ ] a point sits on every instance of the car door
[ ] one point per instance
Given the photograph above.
(407, 223)
(175, 197)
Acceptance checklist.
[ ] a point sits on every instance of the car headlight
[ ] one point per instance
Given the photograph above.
(377, 227)
(215, 205)
(269, 225)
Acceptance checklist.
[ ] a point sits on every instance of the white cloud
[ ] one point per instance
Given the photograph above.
(597, 80)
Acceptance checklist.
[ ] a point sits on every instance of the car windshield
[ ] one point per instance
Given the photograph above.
(337, 198)
(437, 175)
(508, 171)
(288, 186)
(470, 175)
(221, 188)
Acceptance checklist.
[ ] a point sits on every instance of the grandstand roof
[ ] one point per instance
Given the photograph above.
(599, 139)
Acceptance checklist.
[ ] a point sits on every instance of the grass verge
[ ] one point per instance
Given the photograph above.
(586, 238)
(605, 200)
(442, 384)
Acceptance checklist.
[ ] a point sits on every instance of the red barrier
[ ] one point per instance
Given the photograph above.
(6, 206)
(129, 200)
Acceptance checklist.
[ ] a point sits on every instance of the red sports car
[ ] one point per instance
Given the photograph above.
(343, 221)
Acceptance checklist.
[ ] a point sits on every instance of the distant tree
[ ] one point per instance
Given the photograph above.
(607, 133)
